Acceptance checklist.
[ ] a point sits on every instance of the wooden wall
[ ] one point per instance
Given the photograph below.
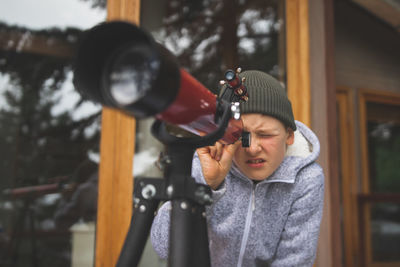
(367, 58)
(323, 118)
(367, 50)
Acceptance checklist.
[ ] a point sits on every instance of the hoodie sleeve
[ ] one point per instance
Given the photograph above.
(159, 234)
(298, 243)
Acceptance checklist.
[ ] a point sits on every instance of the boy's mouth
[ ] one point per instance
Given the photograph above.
(255, 161)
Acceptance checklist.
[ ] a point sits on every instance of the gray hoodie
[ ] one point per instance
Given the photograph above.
(274, 222)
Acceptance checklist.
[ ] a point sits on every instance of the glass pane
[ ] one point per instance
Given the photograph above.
(208, 37)
(384, 172)
(48, 135)
(384, 147)
(385, 232)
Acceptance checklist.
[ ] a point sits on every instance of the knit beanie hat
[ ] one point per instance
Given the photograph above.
(267, 96)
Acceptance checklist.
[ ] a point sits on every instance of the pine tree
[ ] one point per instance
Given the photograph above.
(211, 36)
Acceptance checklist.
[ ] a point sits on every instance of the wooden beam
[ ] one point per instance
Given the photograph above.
(116, 160)
(115, 185)
(32, 42)
(298, 59)
(128, 10)
(348, 177)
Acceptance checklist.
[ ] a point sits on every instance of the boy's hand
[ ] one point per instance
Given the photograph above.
(216, 161)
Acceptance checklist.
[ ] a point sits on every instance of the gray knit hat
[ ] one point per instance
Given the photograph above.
(267, 96)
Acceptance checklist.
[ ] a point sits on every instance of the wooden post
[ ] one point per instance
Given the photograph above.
(116, 160)
(298, 59)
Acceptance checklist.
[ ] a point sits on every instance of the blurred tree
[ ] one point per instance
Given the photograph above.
(42, 136)
(36, 144)
(97, 3)
(210, 36)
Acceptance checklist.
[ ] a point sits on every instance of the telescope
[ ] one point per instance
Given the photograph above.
(121, 66)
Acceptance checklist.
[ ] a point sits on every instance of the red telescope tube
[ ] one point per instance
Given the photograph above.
(194, 109)
(121, 66)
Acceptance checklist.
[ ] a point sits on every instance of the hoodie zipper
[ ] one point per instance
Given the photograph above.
(246, 232)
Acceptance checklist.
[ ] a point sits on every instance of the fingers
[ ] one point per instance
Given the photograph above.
(216, 161)
(229, 152)
(214, 151)
(233, 147)
(219, 150)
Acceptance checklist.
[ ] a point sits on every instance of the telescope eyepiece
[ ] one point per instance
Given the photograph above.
(246, 139)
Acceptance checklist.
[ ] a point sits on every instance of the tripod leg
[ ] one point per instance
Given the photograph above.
(201, 247)
(181, 231)
(139, 229)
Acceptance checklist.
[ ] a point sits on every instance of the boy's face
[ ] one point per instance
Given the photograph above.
(269, 139)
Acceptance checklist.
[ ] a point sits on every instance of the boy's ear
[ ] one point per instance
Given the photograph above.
(290, 137)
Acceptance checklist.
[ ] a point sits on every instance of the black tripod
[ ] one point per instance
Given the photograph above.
(188, 239)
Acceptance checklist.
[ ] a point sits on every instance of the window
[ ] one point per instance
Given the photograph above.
(379, 202)
(208, 37)
(49, 135)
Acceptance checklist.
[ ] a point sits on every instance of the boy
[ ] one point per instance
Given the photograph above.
(267, 198)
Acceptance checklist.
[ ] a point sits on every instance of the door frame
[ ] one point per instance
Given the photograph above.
(348, 176)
